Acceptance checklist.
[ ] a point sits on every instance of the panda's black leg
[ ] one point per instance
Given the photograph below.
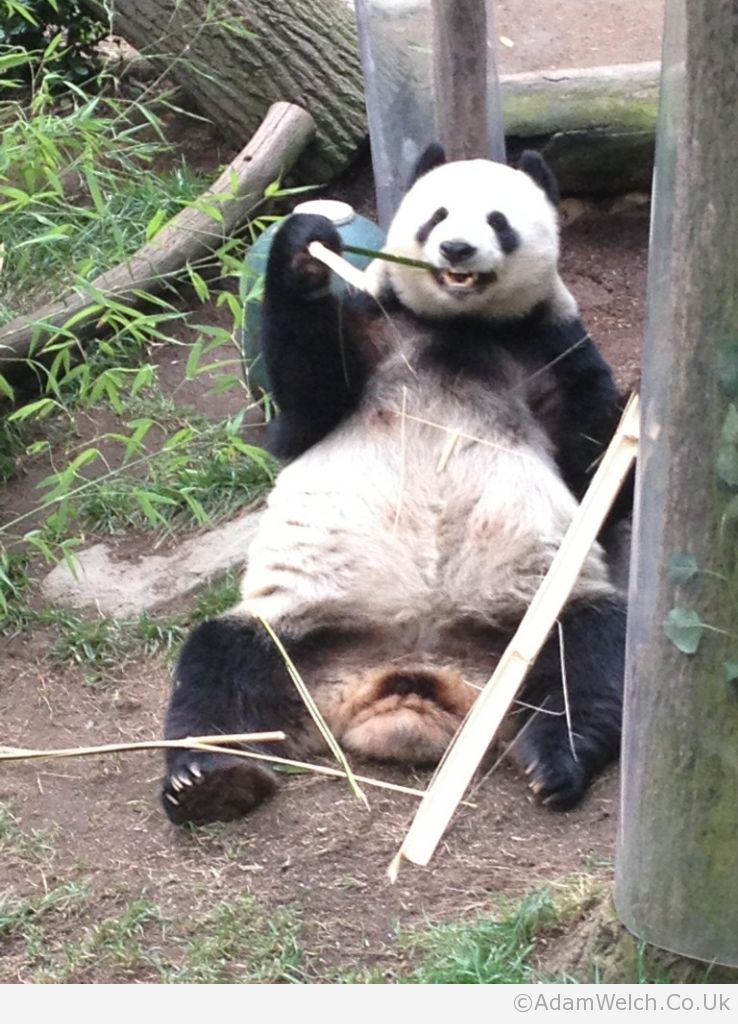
(559, 751)
(230, 679)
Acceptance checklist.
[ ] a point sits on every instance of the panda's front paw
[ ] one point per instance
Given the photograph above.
(202, 788)
(290, 257)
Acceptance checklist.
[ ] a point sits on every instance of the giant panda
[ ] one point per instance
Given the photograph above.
(438, 433)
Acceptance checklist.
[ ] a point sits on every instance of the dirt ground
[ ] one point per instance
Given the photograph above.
(312, 850)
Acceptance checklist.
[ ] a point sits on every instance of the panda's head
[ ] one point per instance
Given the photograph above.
(489, 232)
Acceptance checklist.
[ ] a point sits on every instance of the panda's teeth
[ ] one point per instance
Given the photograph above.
(458, 278)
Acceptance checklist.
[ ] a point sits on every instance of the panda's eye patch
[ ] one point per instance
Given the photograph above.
(507, 236)
(425, 229)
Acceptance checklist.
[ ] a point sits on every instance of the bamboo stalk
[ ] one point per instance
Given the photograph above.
(191, 234)
(314, 712)
(351, 274)
(318, 769)
(477, 731)
(207, 744)
(19, 754)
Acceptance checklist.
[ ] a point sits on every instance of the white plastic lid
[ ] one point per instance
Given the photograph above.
(336, 211)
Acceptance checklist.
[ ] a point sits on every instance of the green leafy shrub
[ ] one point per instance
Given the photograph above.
(32, 27)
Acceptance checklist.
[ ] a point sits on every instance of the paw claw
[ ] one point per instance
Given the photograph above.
(175, 784)
(185, 780)
(172, 799)
(194, 770)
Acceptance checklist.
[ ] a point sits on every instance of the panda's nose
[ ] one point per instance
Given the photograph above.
(457, 251)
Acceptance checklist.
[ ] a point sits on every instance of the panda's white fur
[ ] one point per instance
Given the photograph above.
(420, 507)
(422, 510)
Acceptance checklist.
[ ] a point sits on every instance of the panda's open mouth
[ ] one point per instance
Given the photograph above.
(463, 281)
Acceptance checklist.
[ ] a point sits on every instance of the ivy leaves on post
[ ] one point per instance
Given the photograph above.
(684, 628)
(726, 462)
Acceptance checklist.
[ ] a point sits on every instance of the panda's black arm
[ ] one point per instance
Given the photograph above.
(591, 409)
(316, 369)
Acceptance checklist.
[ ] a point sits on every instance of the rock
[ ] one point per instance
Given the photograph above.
(121, 587)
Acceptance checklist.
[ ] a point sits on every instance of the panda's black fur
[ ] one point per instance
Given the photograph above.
(440, 432)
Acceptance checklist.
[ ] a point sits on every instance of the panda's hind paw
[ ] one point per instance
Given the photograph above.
(201, 788)
(557, 778)
(558, 782)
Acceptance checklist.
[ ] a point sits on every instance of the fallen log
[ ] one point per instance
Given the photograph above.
(595, 126)
(193, 233)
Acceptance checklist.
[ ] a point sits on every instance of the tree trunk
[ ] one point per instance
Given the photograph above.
(234, 58)
(677, 884)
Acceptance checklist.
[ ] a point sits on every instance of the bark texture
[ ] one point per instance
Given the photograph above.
(677, 884)
(236, 57)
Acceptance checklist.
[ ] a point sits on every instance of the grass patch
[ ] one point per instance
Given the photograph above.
(235, 942)
(116, 949)
(202, 473)
(35, 846)
(80, 191)
(102, 646)
(483, 951)
(23, 916)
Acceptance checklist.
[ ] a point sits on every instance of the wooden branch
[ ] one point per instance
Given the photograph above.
(193, 233)
(478, 730)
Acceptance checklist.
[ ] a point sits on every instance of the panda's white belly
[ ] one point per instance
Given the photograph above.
(390, 519)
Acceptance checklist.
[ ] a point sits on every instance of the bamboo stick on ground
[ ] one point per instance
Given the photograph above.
(20, 754)
(217, 744)
(478, 730)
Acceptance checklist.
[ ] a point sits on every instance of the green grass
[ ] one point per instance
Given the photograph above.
(56, 940)
(237, 942)
(80, 190)
(102, 646)
(201, 474)
(118, 947)
(80, 241)
(66, 932)
(483, 951)
(36, 846)
(22, 916)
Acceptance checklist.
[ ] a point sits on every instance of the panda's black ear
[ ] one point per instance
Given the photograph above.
(432, 156)
(533, 164)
